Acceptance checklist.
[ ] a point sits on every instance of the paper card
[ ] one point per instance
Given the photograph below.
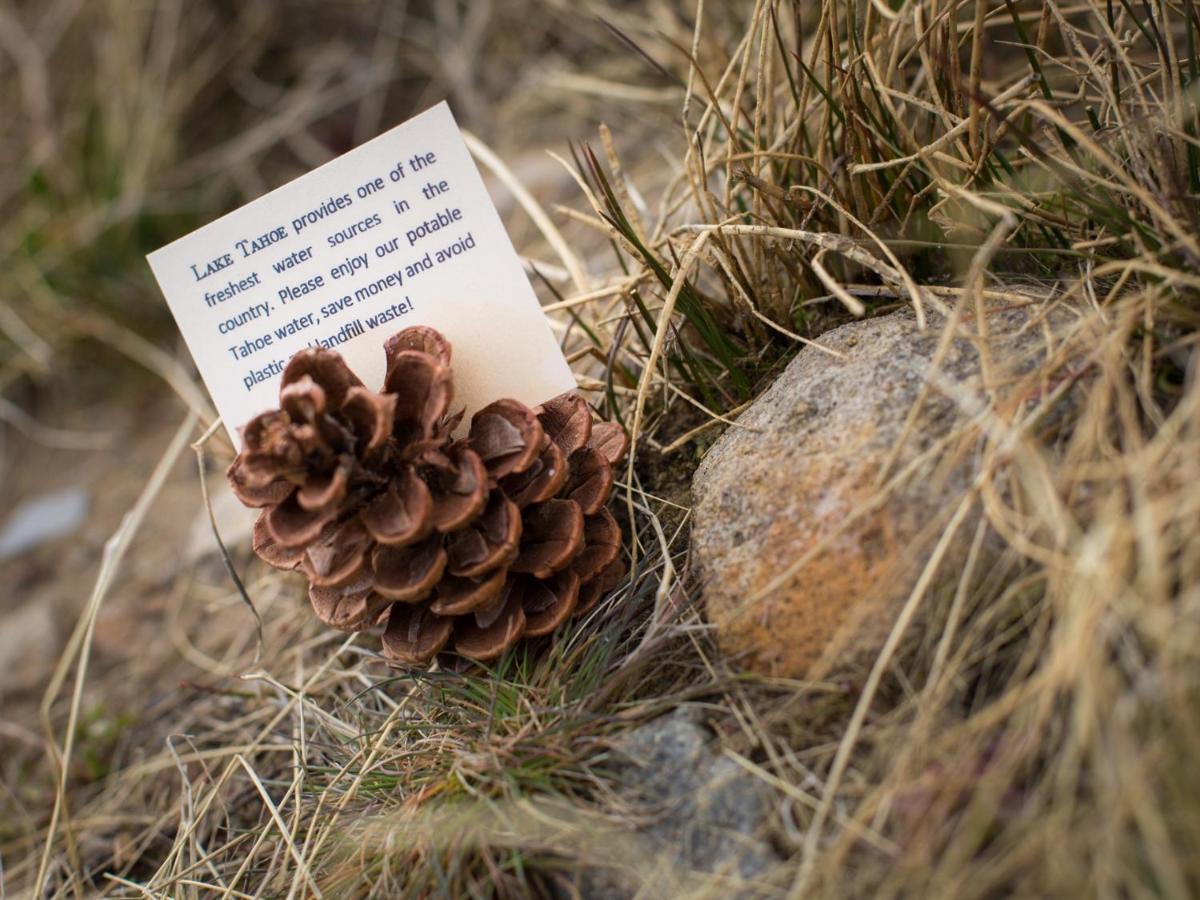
(397, 232)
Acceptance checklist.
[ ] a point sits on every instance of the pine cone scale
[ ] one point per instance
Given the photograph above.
(349, 607)
(541, 481)
(291, 525)
(610, 441)
(568, 422)
(463, 490)
(401, 515)
(602, 545)
(491, 541)
(591, 480)
(269, 550)
(592, 592)
(553, 536)
(258, 494)
(303, 400)
(421, 338)
(324, 490)
(458, 596)
(337, 556)
(414, 635)
(371, 417)
(548, 604)
(507, 436)
(422, 388)
(408, 574)
(327, 369)
(485, 634)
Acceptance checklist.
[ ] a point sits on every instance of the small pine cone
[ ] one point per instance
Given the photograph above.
(471, 543)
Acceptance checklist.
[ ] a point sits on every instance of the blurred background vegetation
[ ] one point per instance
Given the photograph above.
(130, 124)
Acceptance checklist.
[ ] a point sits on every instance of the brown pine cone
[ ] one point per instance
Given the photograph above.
(471, 543)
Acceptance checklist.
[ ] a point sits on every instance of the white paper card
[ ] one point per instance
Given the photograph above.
(397, 232)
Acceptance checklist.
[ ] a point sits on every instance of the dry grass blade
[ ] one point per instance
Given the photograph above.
(78, 652)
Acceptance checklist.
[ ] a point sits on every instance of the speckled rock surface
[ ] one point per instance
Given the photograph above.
(705, 820)
(797, 482)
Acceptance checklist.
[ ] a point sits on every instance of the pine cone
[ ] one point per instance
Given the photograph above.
(471, 543)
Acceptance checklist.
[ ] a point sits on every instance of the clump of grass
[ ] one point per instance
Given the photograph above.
(844, 157)
(771, 172)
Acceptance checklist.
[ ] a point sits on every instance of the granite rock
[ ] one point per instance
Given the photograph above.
(815, 513)
(705, 821)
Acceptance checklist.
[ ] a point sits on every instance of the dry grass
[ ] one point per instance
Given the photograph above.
(768, 172)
